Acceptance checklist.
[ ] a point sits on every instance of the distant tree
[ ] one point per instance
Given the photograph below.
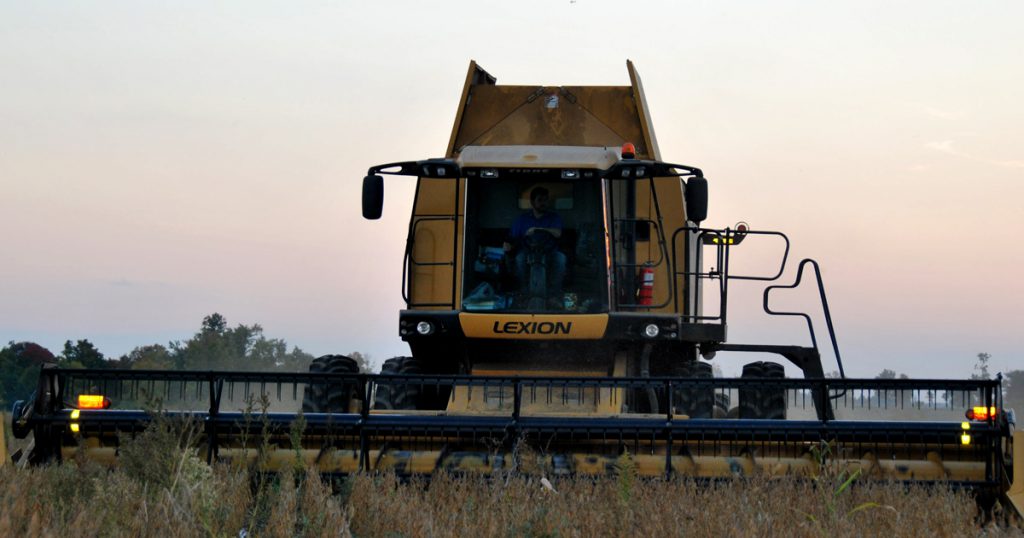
(981, 367)
(886, 374)
(295, 360)
(215, 346)
(215, 323)
(1013, 391)
(273, 354)
(894, 398)
(83, 354)
(243, 347)
(19, 370)
(32, 353)
(267, 352)
(980, 372)
(151, 357)
(363, 360)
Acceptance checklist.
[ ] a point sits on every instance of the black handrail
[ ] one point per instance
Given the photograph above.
(807, 318)
(723, 274)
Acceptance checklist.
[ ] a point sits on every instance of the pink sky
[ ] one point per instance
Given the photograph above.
(162, 162)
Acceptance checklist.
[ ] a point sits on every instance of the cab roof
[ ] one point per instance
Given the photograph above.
(599, 157)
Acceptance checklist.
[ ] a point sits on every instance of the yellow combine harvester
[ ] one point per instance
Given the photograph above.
(562, 295)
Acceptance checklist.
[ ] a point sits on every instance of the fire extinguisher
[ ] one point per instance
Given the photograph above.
(645, 294)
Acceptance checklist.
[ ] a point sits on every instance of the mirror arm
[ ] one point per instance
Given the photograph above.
(433, 168)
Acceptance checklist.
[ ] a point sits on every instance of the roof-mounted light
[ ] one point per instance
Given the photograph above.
(628, 151)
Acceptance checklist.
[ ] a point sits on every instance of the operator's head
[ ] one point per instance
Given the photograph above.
(539, 198)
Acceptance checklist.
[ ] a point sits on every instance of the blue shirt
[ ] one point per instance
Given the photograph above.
(529, 220)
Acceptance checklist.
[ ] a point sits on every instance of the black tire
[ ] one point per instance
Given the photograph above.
(723, 403)
(750, 397)
(645, 400)
(774, 399)
(399, 395)
(759, 402)
(334, 397)
(695, 402)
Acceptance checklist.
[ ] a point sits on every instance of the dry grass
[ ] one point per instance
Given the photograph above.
(82, 499)
(161, 490)
(587, 508)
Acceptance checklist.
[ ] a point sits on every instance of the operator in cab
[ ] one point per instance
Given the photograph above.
(534, 236)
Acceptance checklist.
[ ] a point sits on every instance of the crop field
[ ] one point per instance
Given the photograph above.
(161, 490)
(195, 500)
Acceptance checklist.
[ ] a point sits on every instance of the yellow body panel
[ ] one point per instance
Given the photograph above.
(556, 401)
(1016, 493)
(523, 115)
(531, 115)
(650, 465)
(434, 230)
(534, 326)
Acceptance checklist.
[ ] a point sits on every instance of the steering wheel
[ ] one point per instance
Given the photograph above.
(541, 240)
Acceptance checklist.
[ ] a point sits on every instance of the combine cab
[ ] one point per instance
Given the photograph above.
(554, 282)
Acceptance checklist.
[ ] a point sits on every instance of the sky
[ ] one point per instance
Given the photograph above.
(161, 161)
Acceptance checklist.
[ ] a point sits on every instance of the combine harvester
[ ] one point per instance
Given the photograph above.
(561, 295)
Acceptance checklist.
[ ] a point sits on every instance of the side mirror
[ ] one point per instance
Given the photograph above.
(697, 199)
(373, 197)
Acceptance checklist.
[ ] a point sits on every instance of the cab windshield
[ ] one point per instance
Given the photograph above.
(535, 245)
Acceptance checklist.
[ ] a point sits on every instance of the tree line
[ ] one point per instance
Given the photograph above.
(1012, 383)
(216, 346)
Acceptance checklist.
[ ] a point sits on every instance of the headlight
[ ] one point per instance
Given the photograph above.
(651, 330)
(424, 328)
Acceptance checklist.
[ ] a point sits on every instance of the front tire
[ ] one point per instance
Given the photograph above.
(332, 397)
(398, 395)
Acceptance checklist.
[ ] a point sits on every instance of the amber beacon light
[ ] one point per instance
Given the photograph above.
(93, 401)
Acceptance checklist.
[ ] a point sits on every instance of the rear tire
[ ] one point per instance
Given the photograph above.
(336, 397)
(723, 404)
(696, 402)
(763, 402)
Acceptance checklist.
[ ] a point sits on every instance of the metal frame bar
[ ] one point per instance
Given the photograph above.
(366, 427)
